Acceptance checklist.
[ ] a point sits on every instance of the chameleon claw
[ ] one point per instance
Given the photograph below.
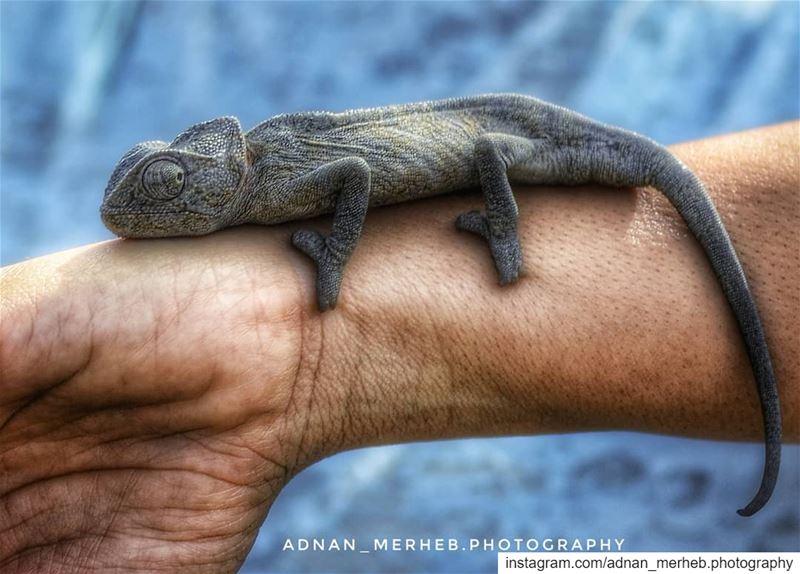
(310, 242)
(329, 265)
(507, 258)
(505, 248)
(474, 222)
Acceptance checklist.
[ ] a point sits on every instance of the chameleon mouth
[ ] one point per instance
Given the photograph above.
(155, 223)
(123, 212)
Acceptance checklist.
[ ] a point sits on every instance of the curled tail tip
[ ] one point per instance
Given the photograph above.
(746, 511)
(762, 496)
(759, 500)
(750, 509)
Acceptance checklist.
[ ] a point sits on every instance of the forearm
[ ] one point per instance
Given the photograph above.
(619, 322)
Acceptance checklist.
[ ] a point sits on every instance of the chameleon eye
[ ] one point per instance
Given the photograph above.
(163, 179)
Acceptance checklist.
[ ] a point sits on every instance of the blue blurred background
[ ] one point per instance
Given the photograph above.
(83, 81)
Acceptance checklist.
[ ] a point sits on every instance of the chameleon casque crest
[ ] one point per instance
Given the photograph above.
(296, 166)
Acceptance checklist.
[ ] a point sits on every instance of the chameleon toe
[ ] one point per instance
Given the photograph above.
(310, 242)
(474, 222)
(330, 266)
(505, 249)
(329, 281)
(507, 258)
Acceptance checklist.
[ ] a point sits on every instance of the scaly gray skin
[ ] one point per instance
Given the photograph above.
(295, 166)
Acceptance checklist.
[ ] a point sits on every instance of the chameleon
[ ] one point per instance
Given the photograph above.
(300, 165)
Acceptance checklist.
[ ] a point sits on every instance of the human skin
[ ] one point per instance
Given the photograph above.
(157, 394)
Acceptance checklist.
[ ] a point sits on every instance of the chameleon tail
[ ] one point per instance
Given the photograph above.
(692, 202)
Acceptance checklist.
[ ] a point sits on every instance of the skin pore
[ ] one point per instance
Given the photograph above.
(157, 394)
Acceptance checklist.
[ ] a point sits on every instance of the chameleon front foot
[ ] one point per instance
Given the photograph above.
(504, 247)
(330, 265)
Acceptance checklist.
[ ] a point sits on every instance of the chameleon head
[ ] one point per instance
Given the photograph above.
(182, 188)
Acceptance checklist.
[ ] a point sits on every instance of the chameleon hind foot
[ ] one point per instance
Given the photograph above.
(330, 264)
(504, 247)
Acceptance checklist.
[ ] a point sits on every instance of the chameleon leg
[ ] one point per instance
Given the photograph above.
(496, 155)
(350, 179)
